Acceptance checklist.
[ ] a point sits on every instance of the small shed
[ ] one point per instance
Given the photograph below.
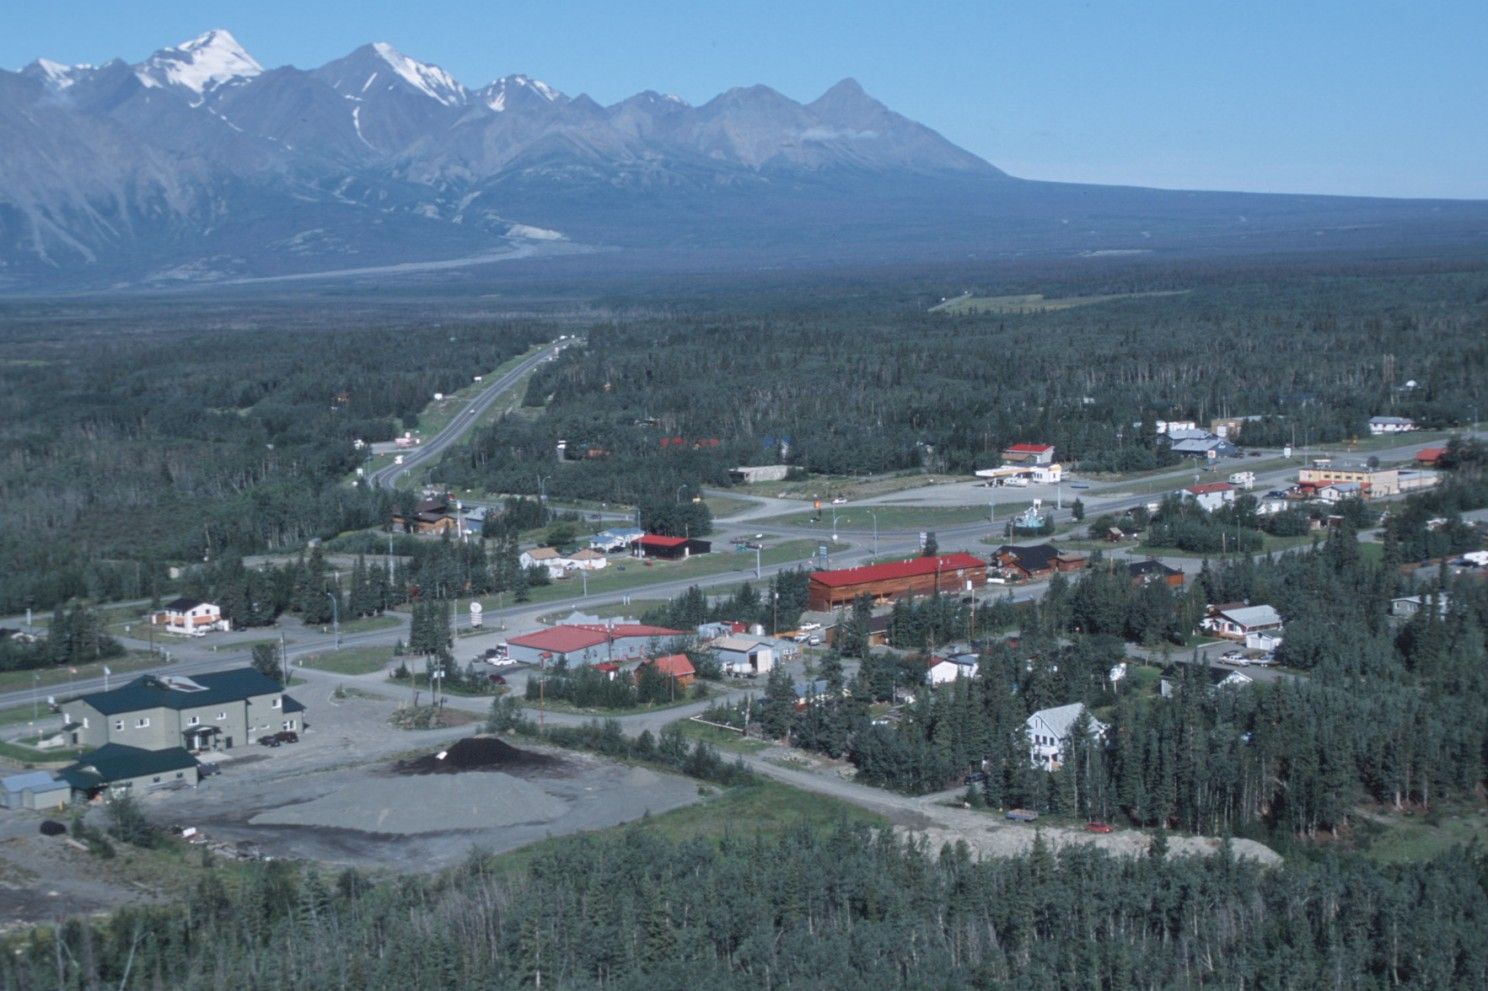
(34, 790)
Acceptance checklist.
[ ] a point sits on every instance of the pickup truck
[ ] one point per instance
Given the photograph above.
(1021, 815)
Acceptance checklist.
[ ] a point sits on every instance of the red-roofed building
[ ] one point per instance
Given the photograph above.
(591, 643)
(1210, 495)
(1428, 457)
(916, 576)
(670, 548)
(1028, 454)
(674, 666)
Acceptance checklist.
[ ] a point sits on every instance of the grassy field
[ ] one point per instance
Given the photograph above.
(766, 810)
(850, 486)
(613, 610)
(1392, 837)
(727, 740)
(351, 660)
(638, 573)
(370, 623)
(685, 696)
(1035, 302)
(30, 755)
(724, 506)
(895, 517)
(1269, 545)
(134, 660)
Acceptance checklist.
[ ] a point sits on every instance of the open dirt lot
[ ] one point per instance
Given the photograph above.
(355, 791)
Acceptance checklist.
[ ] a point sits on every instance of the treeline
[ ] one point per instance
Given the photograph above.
(663, 403)
(125, 452)
(1387, 712)
(778, 606)
(74, 636)
(848, 907)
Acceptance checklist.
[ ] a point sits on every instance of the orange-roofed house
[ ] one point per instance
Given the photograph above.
(675, 666)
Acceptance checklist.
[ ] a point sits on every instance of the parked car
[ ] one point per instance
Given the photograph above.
(1096, 826)
(269, 740)
(206, 768)
(495, 679)
(813, 641)
(1235, 657)
(1021, 815)
(287, 736)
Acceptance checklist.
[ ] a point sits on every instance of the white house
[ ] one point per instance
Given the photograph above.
(744, 657)
(1049, 732)
(190, 617)
(1210, 495)
(586, 559)
(612, 541)
(1239, 623)
(547, 557)
(1407, 606)
(939, 670)
(1390, 425)
(1266, 640)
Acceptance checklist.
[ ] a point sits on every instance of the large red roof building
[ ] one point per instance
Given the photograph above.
(896, 579)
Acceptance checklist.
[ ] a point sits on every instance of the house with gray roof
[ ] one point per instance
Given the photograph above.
(1050, 730)
(34, 790)
(218, 710)
(1237, 623)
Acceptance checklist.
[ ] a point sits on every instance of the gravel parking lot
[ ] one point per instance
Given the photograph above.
(345, 795)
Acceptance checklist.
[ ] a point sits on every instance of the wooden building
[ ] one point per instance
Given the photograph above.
(885, 582)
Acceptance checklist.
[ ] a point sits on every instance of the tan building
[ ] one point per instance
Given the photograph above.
(1374, 482)
(216, 711)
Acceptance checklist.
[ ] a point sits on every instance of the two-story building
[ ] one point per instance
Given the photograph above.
(1050, 731)
(1372, 480)
(190, 617)
(214, 711)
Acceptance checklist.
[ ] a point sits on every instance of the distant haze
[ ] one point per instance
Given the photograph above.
(1361, 98)
(203, 163)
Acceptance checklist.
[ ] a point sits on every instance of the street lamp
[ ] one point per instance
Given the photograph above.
(679, 492)
(542, 496)
(875, 530)
(335, 617)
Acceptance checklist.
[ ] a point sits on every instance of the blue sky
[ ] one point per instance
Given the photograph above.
(1306, 95)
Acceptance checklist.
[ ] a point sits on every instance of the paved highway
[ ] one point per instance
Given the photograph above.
(387, 477)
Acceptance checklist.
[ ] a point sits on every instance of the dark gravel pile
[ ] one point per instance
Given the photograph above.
(479, 753)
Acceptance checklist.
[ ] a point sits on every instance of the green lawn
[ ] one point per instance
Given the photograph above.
(612, 610)
(725, 506)
(639, 573)
(351, 660)
(30, 755)
(766, 810)
(723, 739)
(370, 623)
(684, 697)
(896, 517)
(132, 661)
(1269, 545)
(1392, 837)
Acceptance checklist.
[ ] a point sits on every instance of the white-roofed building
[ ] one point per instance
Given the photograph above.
(1240, 622)
(1049, 732)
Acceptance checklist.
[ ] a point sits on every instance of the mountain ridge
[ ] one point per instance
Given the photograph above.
(199, 163)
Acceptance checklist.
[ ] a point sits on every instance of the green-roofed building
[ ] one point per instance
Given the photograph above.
(119, 768)
(215, 711)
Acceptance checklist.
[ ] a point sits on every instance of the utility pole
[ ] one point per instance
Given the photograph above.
(542, 497)
(283, 658)
(335, 617)
(875, 531)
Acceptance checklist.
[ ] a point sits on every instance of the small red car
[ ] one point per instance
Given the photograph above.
(1097, 827)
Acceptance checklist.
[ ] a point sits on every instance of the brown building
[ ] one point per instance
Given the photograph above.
(431, 515)
(884, 582)
(1036, 561)
(1153, 570)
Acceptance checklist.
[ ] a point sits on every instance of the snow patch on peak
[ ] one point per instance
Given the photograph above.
(200, 65)
(495, 94)
(55, 75)
(430, 80)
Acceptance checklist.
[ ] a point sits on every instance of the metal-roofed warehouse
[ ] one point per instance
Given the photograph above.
(883, 582)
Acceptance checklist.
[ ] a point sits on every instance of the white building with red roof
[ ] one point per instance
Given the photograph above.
(1028, 454)
(1211, 495)
(585, 643)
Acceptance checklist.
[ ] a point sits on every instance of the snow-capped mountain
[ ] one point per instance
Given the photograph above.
(199, 67)
(199, 163)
